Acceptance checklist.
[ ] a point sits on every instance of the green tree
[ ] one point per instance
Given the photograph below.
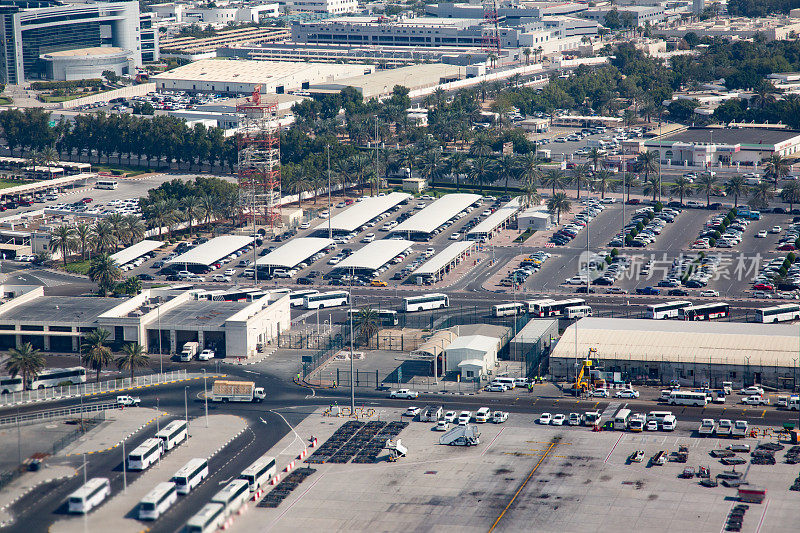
(530, 196)
(507, 169)
(457, 166)
(133, 357)
(776, 169)
(131, 286)
(83, 236)
(760, 196)
(191, 210)
(63, 239)
(736, 186)
(553, 178)
(557, 204)
(25, 361)
(432, 165)
(706, 184)
(367, 323)
(682, 187)
(103, 237)
(647, 163)
(791, 194)
(604, 179)
(580, 176)
(595, 155)
(652, 185)
(95, 353)
(479, 171)
(105, 272)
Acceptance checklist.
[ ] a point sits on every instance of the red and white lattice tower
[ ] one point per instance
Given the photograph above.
(490, 32)
(259, 162)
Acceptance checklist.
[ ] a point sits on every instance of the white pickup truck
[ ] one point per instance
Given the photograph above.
(128, 401)
(407, 394)
(707, 427)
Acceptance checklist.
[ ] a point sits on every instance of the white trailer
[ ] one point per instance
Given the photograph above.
(236, 391)
(431, 413)
(461, 436)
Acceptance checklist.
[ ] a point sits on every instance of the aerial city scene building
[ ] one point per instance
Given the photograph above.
(336, 265)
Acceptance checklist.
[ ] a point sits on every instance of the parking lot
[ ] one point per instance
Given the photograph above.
(525, 476)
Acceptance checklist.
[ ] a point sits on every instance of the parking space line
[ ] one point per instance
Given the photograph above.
(763, 515)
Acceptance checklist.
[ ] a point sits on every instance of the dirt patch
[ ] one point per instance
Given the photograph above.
(652, 497)
(501, 471)
(563, 474)
(605, 477)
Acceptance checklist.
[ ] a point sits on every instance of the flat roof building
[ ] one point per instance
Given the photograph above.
(135, 251)
(495, 222)
(374, 255)
(471, 355)
(293, 252)
(440, 264)
(435, 214)
(242, 77)
(210, 252)
(694, 353)
(362, 212)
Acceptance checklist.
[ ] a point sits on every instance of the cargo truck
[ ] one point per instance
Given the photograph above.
(236, 391)
(189, 350)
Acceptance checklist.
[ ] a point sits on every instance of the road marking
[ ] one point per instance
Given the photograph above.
(522, 487)
(763, 515)
(612, 449)
(225, 480)
(763, 413)
(492, 442)
(596, 404)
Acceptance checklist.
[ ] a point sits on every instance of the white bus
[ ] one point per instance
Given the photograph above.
(388, 317)
(578, 311)
(89, 496)
(145, 454)
(678, 397)
(233, 496)
(666, 309)
(9, 384)
(173, 434)
(106, 184)
(556, 308)
(326, 299)
(190, 475)
(259, 473)
(158, 501)
(425, 302)
(779, 313)
(508, 309)
(621, 419)
(535, 305)
(207, 520)
(54, 377)
(297, 298)
(704, 311)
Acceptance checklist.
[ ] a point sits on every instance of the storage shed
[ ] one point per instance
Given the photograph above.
(480, 351)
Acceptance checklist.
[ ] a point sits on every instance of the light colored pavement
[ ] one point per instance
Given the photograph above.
(522, 477)
(117, 513)
(119, 425)
(25, 483)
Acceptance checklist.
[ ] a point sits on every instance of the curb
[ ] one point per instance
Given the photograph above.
(126, 436)
(25, 493)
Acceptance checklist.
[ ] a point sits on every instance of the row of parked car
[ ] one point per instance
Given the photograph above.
(526, 268)
(651, 223)
(592, 208)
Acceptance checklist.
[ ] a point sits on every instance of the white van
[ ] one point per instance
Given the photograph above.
(510, 383)
(483, 414)
(658, 416)
(669, 423)
(580, 311)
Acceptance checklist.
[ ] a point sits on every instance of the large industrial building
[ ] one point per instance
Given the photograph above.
(704, 147)
(242, 77)
(36, 34)
(693, 353)
(231, 328)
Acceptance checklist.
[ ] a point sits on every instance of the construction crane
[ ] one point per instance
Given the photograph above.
(582, 385)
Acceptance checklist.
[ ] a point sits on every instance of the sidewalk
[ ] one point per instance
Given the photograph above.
(27, 482)
(120, 424)
(113, 515)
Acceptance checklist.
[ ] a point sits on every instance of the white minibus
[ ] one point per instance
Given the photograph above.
(173, 434)
(145, 454)
(190, 475)
(233, 496)
(90, 495)
(158, 501)
(259, 473)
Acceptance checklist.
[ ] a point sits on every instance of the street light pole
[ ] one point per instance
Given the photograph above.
(330, 230)
(352, 348)
(205, 394)
(160, 351)
(186, 407)
(124, 469)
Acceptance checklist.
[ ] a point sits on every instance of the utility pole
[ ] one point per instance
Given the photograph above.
(205, 394)
(186, 408)
(124, 469)
(330, 230)
(160, 352)
(352, 347)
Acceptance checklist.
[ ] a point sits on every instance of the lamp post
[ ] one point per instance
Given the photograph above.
(186, 407)
(352, 347)
(205, 394)
(124, 469)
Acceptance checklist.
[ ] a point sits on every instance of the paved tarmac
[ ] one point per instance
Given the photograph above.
(119, 425)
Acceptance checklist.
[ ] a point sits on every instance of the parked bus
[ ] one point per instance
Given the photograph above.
(190, 475)
(158, 501)
(779, 313)
(508, 309)
(621, 419)
(145, 454)
(388, 317)
(106, 184)
(207, 520)
(535, 305)
(89, 496)
(54, 377)
(556, 307)
(173, 434)
(297, 298)
(666, 309)
(678, 397)
(9, 384)
(704, 311)
(579, 311)
(326, 299)
(233, 496)
(259, 473)
(425, 302)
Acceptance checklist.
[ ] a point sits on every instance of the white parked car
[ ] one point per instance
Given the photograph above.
(412, 411)
(498, 417)
(652, 425)
(574, 419)
(450, 416)
(600, 393)
(627, 393)
(206, 355)
(220, 278)
(229, 272)
(710, 293)
(755, 399)
(495, 387)
(545, 419)
(128, 401)
(762, 234)
(754, 389)
(406, 394)
(558, 420)
(441, 425)
(455, 236)
(464, 417)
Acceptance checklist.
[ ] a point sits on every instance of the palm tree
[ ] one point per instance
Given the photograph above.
(83, 235)
(133, 357)
(604, 179)
(96, 354)
(776, 169)
(103, 236)
(117, 224)
(367, 323)
(134, 229)
(629, 181)
(432, 166)
(595, 155)
(480, 170)
(682, 187)
(191, 208)
(481, 145)
(208, 204)
(507, 168)
(652, 186)
(553, 178)
(25, 361)
(530, 196)
(105, 272)
(736, 186)
(458, 165)
(760, 196)
(63, 239)
(558, 203)
(706, 183)
(527, 53)
(580, 176)
(529, 170)
(647, 163)
(791, 194)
